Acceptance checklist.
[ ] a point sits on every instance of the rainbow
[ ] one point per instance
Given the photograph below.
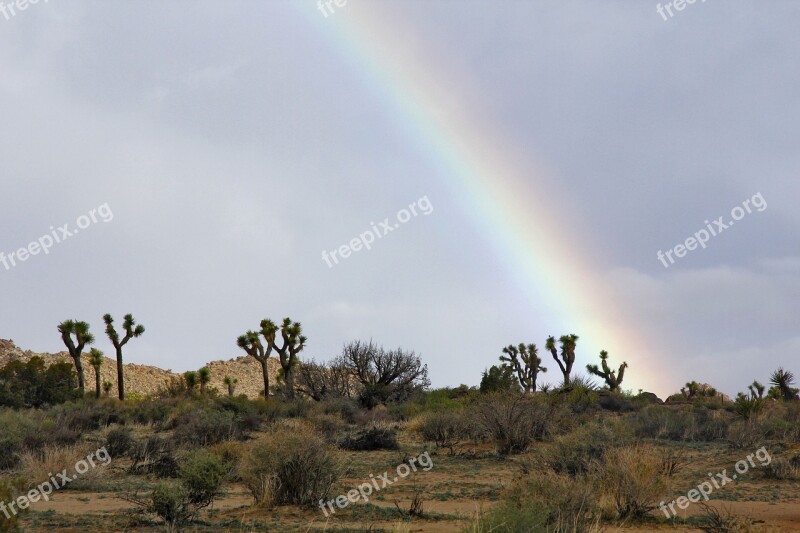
(515, 202)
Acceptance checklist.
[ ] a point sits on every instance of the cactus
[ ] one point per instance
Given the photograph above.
(568, 343)
(613, 379)
(131, 331)
(68, 328)
(526, 363)
(96, 360)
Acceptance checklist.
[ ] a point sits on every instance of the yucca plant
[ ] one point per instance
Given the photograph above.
(783, 381)
(204, 377)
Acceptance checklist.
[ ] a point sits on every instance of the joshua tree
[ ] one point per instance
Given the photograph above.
(231, 384)
(251, 344)
(131, 331)
(567, 343)
(190, 378)
(526, 363)
(107, 386)
(96, 360)
(204, 376)
(756, 390)
(68, 328)
(612, 378)
(783, 381)
(293, 344)
(691, 389)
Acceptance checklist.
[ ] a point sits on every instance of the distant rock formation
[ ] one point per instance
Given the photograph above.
(146, 380)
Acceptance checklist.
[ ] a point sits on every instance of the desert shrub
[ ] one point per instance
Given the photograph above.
(152, 412)
(9, 490)
(331, 427)
(119, 441)
(204, 427)
(544, 502)
(575, 452)
(202, 474)
(661, 422)
(634, 478)
(33, 384)
(513, 421)
(614, 402)
(169, 502)
(780, 468)
(40, 465)
(444, 429)
(89, 415)
(744, 434)
(154, 455)
(345, 407)
(378, 437)
(290, 466)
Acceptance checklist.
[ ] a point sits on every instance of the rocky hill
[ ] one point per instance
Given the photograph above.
(144, 379)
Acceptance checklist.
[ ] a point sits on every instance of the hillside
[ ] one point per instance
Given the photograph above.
(145, 379)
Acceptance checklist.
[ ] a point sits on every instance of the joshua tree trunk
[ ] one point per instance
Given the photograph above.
(265, 372)
(120, 375)
(97, 384)
(79, 370)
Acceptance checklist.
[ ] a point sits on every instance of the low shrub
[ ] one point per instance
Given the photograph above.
(574, 453)
(445, 429)
(374, 438)
(290, 466)
(202, 474)
(513, 421)
(634, 478)
(9, 490)
(203, 427)
(154, 455)
(119, 441)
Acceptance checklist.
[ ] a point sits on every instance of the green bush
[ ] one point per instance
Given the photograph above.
(513, 421)
(169, 502)
(202, 474)
(9, 490)
(445, 429)
(202, 426)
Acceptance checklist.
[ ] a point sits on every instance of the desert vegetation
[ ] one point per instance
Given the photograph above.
(513, 454)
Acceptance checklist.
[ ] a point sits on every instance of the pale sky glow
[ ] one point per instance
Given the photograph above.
(236, 141)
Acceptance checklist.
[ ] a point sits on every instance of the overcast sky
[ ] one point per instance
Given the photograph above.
(234, 141)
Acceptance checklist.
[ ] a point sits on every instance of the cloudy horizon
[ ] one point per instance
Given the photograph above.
(234, 146)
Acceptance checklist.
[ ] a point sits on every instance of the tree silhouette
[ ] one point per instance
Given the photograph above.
(80, 330)
(131, 331)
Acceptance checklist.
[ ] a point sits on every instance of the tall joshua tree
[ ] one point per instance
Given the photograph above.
(568, 343)
(131, 331)
(68, 328)
(525, 361)
(293, 343)
(612, 378)
(96, 360)
(251, 343)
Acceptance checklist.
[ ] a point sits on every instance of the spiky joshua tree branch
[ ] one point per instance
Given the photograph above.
(132, 330)
(80, 330)
(567, 343)
(612, 378)
(525, 361)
